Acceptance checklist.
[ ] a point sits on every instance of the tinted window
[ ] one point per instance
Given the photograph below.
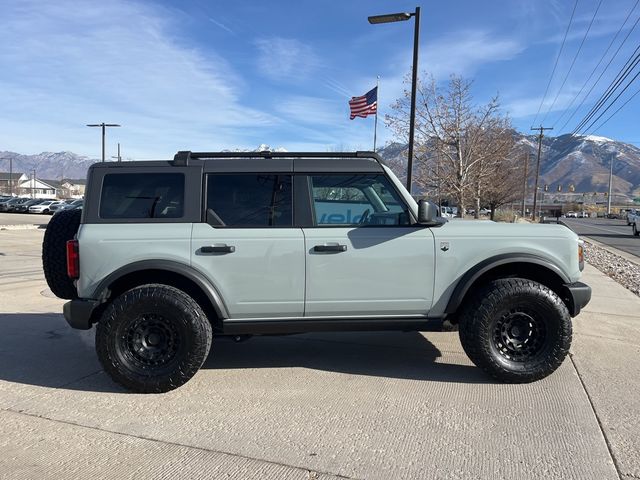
(357, 200)
(142, 195)
(249, 200)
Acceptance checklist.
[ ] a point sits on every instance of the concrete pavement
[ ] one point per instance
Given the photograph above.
(355, 405)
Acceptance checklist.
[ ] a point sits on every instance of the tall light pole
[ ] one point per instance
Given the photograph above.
(401, 17)
(103, 125)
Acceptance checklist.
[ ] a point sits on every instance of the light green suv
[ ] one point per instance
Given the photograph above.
(168, 254)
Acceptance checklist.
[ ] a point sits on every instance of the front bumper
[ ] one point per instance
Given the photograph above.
(577, 296)
(79, 313)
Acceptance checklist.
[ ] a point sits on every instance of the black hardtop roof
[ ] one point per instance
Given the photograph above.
(183, 157)
(188, 158)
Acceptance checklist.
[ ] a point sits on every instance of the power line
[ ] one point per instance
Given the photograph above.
(586, 34)
(601, 74)
(596, 67)
(624, 72)
(556, 64)
(614, 101)
(619, 108)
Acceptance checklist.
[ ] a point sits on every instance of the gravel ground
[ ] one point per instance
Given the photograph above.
(618, 268)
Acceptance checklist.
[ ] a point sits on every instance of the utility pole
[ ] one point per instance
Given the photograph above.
(610, 185)
(33, 183)
(524, 185)
(535, 188)
(103, 125)
(10, 176)
(118, 157)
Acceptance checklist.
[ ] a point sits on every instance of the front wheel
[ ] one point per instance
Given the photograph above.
(153, 338)
(516, 330)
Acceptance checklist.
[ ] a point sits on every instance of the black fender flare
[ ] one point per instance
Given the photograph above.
(469, 278)
(102, 291)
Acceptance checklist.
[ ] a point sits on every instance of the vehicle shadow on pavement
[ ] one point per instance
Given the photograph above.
(40, 349)
(401, 355)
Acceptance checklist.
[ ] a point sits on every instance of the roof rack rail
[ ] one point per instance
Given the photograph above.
(182, 157)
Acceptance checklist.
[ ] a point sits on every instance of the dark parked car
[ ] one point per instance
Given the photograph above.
(78, 203)
(11, 204)
(24, 207)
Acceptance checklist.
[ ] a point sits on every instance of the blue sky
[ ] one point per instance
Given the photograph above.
(209, 75)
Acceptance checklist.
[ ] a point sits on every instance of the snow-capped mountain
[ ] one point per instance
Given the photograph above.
(59, 165)
(49, 165)
(581, 161)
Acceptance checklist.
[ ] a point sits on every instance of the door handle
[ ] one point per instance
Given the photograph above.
(218, 249)
(330, 248)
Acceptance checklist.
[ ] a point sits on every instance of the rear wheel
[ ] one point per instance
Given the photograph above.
(153, 338)
(516, 330)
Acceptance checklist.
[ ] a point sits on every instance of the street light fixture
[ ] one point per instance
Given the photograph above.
(391, 17)
(401, 17)
(103, 125)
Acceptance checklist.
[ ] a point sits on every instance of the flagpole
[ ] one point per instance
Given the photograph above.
(375, 125)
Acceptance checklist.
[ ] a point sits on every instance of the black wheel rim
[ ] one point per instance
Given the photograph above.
(150, 340)
(519, 335)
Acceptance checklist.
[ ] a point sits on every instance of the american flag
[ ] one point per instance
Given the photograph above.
(365, 105)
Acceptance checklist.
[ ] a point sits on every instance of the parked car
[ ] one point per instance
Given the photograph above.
(57, 206)
(631, 215)
(572, 215)
(43, 207)
(9, 205)
(24, 207)
(449, 212)
(584, 215)
(78, 203)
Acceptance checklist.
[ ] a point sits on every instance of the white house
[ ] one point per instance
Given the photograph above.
(37, 189)
(9, 182)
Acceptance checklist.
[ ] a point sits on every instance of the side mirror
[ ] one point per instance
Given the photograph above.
(427, 213)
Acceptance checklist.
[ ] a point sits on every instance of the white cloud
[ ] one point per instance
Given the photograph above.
(463, 52)
(286, 59)
(118, 61)
(520, 107)
(313, 110)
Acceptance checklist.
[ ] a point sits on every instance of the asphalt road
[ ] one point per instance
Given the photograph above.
(323, 406)
(614, 233)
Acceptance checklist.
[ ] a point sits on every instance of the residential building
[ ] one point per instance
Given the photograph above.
(10, 182)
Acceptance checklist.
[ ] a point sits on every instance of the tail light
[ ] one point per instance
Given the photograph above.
(73, 259)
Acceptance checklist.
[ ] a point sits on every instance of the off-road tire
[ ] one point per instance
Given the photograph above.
(533, 312)
(146, 364)
(61, 228)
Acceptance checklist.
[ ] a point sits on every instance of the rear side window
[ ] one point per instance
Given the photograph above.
(142, 195)
(249, 200)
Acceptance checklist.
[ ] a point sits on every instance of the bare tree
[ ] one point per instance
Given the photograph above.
(506, 184)
(458, 144)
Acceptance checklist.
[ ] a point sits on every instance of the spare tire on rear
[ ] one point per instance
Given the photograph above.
(62, 227)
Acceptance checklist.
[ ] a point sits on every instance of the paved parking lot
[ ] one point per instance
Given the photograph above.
(23, 219)
(372, 405)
